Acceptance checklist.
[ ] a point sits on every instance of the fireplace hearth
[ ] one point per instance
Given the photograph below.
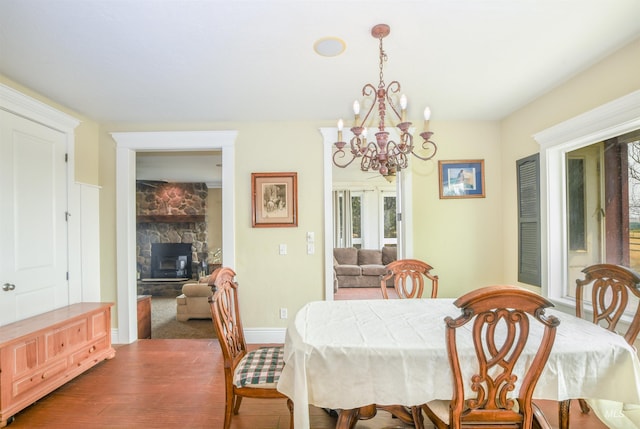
(171, 213)
(171, 260)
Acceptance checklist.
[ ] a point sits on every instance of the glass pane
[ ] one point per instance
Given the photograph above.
(356, 220)
(340, 218)
(575, 201)
(390, 217)
(584, 207)
(634, 205)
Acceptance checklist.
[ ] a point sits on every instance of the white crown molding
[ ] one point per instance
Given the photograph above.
(608, 120)
(170, 140)
(28, 107)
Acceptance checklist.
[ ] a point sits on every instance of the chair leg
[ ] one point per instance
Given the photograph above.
(228, 409)
(584, 407)
(563, 413)
(236, 406)
(290, 406)
(539, 419)
(418, 419)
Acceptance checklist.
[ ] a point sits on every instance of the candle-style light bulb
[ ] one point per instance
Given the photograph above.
(403, 107)
(340, 126)
(364, 135)
(427, 116)
(356, 112)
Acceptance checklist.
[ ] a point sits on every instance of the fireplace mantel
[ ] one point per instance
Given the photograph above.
(170, 218)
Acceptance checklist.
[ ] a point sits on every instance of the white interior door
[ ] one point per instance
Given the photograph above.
(33, 227)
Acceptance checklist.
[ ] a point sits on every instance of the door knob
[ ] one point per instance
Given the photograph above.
(8, 286)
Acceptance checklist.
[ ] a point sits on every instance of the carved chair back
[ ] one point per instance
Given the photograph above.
(409, 277)
(611, 287)
(499, 318)
(226, 320)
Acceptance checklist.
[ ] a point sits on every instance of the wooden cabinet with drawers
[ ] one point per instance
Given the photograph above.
(41, 353)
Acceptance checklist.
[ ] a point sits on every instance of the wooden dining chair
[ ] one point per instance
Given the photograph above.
(252, 374)
(611, 287)
(499, 319)
(409, 277)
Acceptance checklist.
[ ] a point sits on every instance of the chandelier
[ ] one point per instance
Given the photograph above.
(384, 156)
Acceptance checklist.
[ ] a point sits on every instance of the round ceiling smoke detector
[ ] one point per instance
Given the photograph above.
(329, 46)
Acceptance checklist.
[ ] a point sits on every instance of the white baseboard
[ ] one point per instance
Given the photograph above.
(251, 336)
(264, 335)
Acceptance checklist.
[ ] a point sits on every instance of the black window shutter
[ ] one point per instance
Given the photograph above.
(529, 239)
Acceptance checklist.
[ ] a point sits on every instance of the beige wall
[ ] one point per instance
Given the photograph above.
(460, 238)
(613, 77)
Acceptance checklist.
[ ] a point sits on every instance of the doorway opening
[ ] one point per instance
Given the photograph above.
(127, 146)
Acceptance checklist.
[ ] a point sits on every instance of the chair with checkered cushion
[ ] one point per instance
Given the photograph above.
(251, 374)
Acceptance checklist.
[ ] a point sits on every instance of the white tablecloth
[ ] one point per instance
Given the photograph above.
(347, 354)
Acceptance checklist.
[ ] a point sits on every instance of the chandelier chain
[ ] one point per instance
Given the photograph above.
(383, 58)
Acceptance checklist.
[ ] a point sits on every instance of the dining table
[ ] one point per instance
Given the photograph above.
(357, 355)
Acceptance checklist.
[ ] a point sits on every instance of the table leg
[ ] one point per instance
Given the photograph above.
(400, 411)
(347, 418)
(563, 413)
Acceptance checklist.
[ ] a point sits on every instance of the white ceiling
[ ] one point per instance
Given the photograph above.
(179, 61)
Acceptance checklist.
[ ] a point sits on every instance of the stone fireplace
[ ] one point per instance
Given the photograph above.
(171, 213)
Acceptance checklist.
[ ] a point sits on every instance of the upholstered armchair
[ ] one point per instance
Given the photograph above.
(194, 301)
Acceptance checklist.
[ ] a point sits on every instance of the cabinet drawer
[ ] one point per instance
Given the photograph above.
(38, 377)
(66, 339)
(87, 353)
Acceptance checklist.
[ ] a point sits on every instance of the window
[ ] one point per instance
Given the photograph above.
(389, 224)
(364, 218)
(617, 118)
(348, 219)
(575, 204)
(356, 219)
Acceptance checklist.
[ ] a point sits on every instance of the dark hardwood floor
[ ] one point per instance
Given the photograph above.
(179, 384)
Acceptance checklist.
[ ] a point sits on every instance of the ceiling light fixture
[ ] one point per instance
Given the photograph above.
(385, 156)
(329, 47)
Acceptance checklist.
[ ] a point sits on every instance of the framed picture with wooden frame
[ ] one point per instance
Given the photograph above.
(274, 200)
(461, 179)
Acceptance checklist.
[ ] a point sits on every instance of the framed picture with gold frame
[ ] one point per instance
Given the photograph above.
(461, 179)
(274, 200)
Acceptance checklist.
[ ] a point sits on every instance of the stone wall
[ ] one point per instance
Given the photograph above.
(171, 199)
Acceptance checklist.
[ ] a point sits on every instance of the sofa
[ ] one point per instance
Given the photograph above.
(194, 301)
(360, 267)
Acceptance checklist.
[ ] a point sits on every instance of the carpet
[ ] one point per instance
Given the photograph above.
(165, 326)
